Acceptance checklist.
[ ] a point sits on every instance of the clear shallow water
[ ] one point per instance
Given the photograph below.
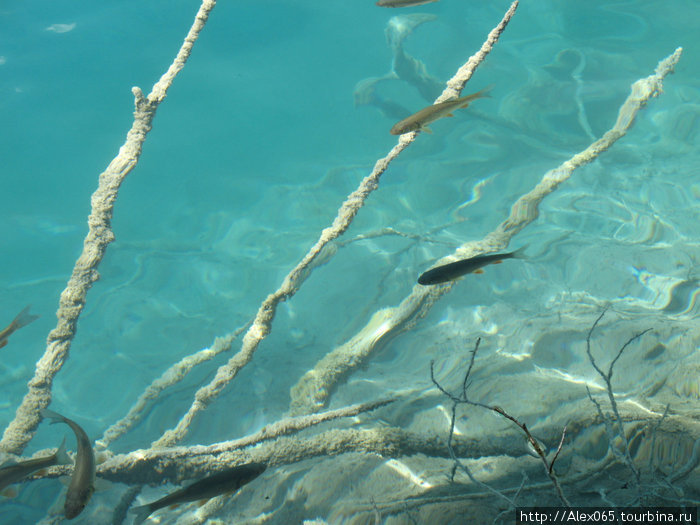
(252, 152)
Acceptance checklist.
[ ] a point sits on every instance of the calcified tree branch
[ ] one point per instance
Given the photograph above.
(275, 446)
(313, 390)
(179, 463)
(347, 212)
(177, 372)
(166, 458)
(170, 377)
(463, 399)
(456, 84)
(280, 428)
(22, 428)
(269, 432)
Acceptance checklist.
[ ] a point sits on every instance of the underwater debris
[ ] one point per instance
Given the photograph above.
(540, 450)
(619, 443)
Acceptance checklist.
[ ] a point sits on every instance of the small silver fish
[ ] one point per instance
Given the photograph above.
(12, 472)
(82, 482)
(23, 319)
(229, 480)
(403, 3)
(451, 271)
(421, 119)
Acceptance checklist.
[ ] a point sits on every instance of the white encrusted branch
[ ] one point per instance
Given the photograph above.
(22, 428)
(266, 313)
(312, 391)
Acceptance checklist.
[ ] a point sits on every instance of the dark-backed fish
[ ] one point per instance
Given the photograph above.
(82, 481)
(23, 319)
(14, 471)
(229, 480)
(451, 271)
(420, 120)
(403, 3)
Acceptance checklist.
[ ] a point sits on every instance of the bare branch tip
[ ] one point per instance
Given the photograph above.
(138, 95)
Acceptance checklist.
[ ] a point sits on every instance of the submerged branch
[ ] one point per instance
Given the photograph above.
(313, 390)
(176, 464)
(170, 377)
(347, 212)
(21, 430)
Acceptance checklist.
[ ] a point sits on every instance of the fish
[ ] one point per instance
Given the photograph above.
(420, 120)
(23, 319)
(82, 481)
(12, 472)
(229, 480)
(451, 271)
(403, 3)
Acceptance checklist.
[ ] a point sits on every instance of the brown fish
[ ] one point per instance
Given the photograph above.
(229, 480)
(12, 472)
(451, 271)
(403, 3)
(420, 120)
(23, 319)
(82, 482)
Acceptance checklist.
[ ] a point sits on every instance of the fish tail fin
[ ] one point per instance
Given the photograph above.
(142, 513)
(484, 93)
(520, 252)
(53, 416)
(9, 492)
(24, 318)
(61, 456)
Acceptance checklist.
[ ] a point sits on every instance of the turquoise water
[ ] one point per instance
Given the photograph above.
(256, 146)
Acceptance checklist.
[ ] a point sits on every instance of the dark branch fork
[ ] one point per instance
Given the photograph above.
(463, 398)
(624, 454)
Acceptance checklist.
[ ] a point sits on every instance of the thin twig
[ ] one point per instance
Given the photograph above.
(556, 455)
(173, 375)
(464, 399)
(625, 454)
